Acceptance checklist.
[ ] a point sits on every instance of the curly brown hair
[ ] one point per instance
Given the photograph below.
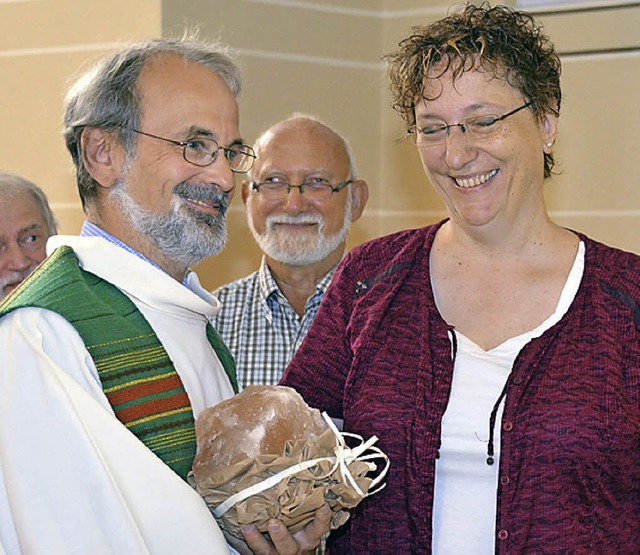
(509, 44)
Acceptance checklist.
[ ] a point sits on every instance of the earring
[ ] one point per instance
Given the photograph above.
(549, 145)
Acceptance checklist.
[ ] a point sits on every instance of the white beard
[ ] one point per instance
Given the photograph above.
(299, 249)
(14, 278)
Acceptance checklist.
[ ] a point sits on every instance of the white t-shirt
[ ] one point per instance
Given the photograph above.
(465, 486)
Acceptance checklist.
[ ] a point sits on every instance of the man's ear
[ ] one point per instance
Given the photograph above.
(102, 154)
(359, 196)
(245, 191)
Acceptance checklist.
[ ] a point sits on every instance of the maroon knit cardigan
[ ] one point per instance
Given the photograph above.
(379, 355)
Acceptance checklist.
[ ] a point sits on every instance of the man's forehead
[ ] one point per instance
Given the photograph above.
(165, 67)
(171, 73)
(13, 200)
(174, 88)
(302, 158)
(304, 148)
(19, 213)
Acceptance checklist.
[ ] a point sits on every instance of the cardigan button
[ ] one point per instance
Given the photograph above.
(503, 534)
(517, 380)
(505, 480)
(508, 426)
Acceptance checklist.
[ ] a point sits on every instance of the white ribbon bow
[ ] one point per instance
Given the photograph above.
(343, 457)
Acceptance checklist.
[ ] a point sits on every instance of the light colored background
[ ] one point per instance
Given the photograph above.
(323, 57)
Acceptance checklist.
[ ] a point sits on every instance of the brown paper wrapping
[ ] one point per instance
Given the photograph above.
(294, 499)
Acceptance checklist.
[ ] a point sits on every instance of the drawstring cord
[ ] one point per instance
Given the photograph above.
(454, 352)
(492, 424)
(494, 412)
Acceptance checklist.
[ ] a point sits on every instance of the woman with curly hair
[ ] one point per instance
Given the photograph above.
(496, 354)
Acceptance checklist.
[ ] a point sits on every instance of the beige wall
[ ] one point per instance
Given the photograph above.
(323, 57)
(44, 44)
(598, 190)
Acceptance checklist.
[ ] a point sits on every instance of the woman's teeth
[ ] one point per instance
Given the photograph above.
(475, 181)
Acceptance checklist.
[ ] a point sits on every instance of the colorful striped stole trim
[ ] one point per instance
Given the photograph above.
(137, 375)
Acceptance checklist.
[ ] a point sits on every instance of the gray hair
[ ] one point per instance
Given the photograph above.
(107, 97)
(11, 184)
(353, 170)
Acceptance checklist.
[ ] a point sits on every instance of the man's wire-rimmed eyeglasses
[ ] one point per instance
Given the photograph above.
(317, 188)
(477, 127)
(203, 151)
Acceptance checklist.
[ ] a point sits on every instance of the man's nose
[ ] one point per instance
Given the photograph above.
(296, 200)
(15, 258)
(219, 173)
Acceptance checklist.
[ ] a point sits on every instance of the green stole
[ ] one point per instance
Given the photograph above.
(137, 375)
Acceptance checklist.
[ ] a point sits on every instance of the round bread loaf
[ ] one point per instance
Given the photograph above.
(257, 421)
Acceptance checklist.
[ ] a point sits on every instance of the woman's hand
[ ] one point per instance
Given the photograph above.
(282, 541)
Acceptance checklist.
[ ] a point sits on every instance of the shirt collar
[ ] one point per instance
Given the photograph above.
(137, 278)
(268, 286)
(266, 283)
(90, 229)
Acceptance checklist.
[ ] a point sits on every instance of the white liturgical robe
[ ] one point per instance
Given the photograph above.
(73, 479)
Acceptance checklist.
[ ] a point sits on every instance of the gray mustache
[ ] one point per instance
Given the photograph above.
(199, 192)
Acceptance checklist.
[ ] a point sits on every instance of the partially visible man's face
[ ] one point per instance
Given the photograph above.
(23, 237)
(296, 230)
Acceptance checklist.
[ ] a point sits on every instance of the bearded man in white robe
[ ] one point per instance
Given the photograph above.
(106, 351)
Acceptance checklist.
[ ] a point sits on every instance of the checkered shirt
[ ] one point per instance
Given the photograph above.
(260, 327)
